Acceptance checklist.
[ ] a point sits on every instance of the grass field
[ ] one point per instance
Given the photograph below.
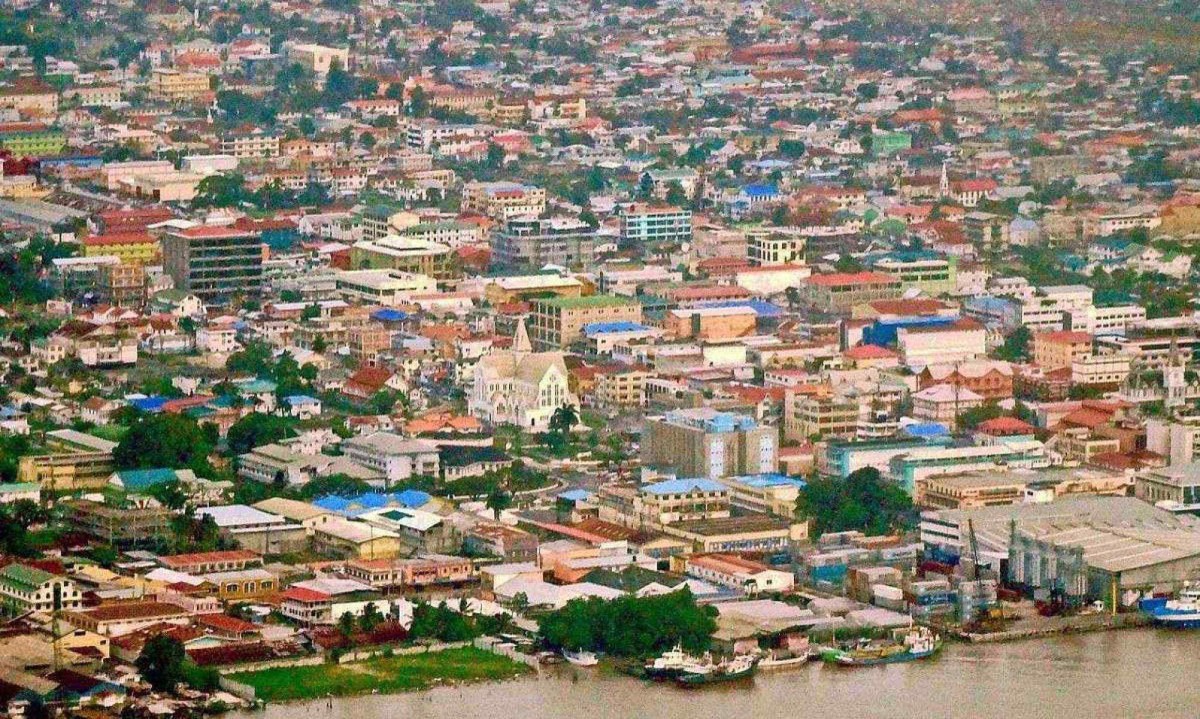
(385, 675)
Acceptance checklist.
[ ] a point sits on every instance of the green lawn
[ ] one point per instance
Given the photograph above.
(387, 675)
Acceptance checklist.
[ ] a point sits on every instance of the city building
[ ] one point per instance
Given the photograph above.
(704, 442)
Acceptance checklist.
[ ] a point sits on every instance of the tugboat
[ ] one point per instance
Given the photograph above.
(1182, 613)
(668, 666)
(918, 643)
(741, 666)
(580, 658)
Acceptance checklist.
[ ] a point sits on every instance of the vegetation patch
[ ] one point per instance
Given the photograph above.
(385, 675)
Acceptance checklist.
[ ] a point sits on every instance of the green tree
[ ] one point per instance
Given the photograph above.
(863, 501)
(255, 430)
(498, 501)
(1016, 345)
(169, 441)
(161, 662)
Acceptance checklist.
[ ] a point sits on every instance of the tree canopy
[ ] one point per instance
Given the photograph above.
(863, 501)
(170, 441)
(631, 626)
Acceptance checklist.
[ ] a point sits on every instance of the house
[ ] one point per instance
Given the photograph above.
(368, 381)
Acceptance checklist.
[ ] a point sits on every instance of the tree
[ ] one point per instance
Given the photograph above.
(1016, 345)
(255, 430)
(498, 501)
(221, 191)
(171, 441)
(345, 624)
(631, 626)
(161, 662)
(675, 195)
(863, 501)
(370, 618)
(563, 419)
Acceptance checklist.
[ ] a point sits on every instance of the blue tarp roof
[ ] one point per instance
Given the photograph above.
(770, 480)
(413, 498)
(389, 315)
(926, 429)
(684, 486)
(623, 326)
(575, 495)
(149, 404)
(762, 307)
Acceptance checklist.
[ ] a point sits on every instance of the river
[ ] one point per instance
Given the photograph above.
(1143, 673)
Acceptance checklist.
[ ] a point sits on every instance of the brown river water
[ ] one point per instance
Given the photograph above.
(1131, 673)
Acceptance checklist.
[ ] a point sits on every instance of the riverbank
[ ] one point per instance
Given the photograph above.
(971, 681)
(381, 675)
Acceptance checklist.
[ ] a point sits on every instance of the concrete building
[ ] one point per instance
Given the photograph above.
(703, 442)
(215, 262)
(645, 225)
(393, 456)
(532, 241)
(559, 321)
(318, 58)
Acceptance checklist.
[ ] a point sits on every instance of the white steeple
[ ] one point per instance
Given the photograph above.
(944, 185)
(521, 343)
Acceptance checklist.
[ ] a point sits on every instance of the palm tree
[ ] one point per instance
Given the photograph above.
(564, 418)
(498, 501)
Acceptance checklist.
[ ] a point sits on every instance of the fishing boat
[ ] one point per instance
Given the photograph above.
(669, 665)
(1181, 613)
(741, 666)
(773, 661)
(918, 643)
(580, 658)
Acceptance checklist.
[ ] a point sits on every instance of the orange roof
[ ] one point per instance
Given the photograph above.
(1001, 426)
(839, 279)
(864, 352)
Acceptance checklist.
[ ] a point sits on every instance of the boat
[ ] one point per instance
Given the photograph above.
(669, 665)
(741, 666)
(1181, 613)
(918, 643)
(580, 658)
(772, 662)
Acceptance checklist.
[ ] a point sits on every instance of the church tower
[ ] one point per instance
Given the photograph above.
(521, 344)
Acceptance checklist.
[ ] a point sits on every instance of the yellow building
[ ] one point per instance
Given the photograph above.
(132, 248)
(30, 97)
(339, 537)
(67, 471)
(177, 86)
(622, 389)
(1053, 350)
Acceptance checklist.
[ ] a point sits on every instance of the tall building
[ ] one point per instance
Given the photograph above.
(214, 262)
(704, 442)
(559, 321)
(537, 241)
(645, 225)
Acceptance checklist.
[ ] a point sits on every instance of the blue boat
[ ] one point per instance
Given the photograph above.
(1182, 613)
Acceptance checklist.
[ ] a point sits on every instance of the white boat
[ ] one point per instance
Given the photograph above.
(581, 658)
(669, 665)
(771, 662)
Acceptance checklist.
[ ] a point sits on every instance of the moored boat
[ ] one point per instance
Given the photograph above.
(669, 665)
(580, 658)
(741, 666)
(1181, 613)
(918, 643)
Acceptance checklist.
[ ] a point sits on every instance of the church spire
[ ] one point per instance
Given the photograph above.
(521, 339)
(944, 184)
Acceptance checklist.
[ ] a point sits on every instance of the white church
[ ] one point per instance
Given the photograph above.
(520, 386)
